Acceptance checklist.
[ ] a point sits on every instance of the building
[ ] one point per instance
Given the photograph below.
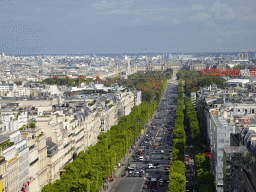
(219, 134)
(36, 158)
(236, 83)
(3, 172)
(193, 98)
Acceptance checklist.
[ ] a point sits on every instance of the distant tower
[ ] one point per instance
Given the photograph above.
(128, 67)
(246, 56)
(240, 55)
(59, 101)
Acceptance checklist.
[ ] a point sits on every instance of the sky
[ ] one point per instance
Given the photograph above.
(126, 26)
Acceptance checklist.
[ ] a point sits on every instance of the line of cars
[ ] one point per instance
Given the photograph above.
(133, 171)
(165, 113)
(164, 123)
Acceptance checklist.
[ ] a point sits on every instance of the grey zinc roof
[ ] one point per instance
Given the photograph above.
(50, 144)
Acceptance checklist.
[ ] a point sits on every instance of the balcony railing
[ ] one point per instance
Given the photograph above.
(33, 162)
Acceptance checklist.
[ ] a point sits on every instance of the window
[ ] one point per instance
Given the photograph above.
(252, 110)
(245, 110)
(238, 110)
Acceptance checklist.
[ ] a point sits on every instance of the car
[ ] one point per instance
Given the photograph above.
(167, 168)
(141, 174)
(144, 187)
(150, 166)
(123, 174)
(161, 182)
(158, 177)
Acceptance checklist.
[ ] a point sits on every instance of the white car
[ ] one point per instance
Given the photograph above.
(150, 166)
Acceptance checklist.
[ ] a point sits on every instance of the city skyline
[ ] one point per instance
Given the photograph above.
(126, 26)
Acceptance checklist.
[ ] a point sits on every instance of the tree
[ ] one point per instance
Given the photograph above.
(177, 182)
(86, 173)
(18, 82)
(178, 167)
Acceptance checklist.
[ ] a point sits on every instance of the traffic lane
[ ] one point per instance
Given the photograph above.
(129, 184)
(164, 162)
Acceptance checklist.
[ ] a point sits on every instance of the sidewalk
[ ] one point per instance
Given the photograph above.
(124, 162)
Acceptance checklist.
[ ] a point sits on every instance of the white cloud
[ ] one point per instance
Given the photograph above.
(244, 13)
(27, 18)
(201, 16)
(222, 11)
(197, 7)
(104, 5)
(112, 4)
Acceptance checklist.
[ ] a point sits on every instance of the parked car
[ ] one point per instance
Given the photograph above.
(144, 187)
(161, 182)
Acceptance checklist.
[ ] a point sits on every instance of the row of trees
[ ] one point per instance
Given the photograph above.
(148, 83)
(205, 179)
(194, 80)
(65, 81)
(177, 175)
(97, 163)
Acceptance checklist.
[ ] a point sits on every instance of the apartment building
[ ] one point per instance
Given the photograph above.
(15, 152)
(221, 114)
(21, 91)
(53, 161)
(37, 158)
(239, 159)
(219, 132)
(3, 172)
(12, 120)
(8, 87)
(12, 168)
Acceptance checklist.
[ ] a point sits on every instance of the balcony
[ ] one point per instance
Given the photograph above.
(32, 147)
(33, 162)
(2, 160)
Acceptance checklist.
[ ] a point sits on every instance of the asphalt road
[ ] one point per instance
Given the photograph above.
(160, 134)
